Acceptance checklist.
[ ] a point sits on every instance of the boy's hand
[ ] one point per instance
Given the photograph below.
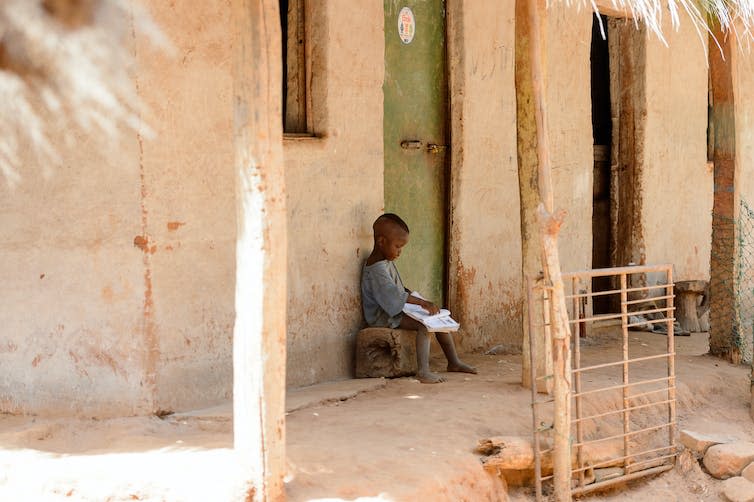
(430, 307)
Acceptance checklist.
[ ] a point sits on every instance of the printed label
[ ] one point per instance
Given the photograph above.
(406, 25)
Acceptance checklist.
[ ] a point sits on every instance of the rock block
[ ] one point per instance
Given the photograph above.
(508, 452)
(748, 472)
(385, 352)
(512, 457)
(698, 443)
(738, 489)
(727, 460)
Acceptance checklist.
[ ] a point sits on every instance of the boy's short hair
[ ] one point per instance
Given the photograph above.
(393, 218)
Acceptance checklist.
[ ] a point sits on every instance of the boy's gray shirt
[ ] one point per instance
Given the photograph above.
(382, 294)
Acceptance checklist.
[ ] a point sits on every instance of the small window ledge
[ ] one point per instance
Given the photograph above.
(300, 136)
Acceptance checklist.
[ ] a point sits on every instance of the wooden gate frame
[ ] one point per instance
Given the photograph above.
(537, 290)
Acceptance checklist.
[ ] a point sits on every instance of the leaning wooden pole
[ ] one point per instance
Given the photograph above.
(531, 244)
(260, 327)
(550, 226)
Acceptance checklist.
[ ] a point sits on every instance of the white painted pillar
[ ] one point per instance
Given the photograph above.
(259, 337)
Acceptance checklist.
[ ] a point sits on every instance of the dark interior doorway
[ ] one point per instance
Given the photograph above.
(602, 132)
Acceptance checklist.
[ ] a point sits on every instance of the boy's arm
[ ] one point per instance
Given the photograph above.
(426, 305)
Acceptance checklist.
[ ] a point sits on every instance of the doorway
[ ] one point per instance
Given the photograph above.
(602, 132)
(416, 138)
(618, 63)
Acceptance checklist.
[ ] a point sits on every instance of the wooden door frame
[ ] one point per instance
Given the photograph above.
(628, 51)
(455, 80)
(448, 130)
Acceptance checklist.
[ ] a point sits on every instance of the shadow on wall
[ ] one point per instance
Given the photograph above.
(67, 66)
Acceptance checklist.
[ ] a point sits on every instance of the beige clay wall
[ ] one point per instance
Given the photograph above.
(70, 337)
(118, 266)
(569, 102)
(743, 92)
(486, 275)
(335, 190)
(188, 205)
(677, 185)
(485, 234)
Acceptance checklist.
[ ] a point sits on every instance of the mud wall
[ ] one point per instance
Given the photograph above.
(485, 242)
(743, 92)
(70, 336)
(119, 264)
(335, 189)
(677, 184)
(188, 206)
(569, 119)
(485, 253)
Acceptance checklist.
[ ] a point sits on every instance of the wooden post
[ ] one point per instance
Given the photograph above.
(561, 356)
(531, 243)
(260, 327)
(626, 392)
(550, 226)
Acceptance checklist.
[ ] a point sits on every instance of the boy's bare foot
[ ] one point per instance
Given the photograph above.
(462, 367)
(429, 377)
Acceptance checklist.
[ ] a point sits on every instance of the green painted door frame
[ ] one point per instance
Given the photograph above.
(416, 138)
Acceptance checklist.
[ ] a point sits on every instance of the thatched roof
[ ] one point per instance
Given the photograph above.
(729, 15)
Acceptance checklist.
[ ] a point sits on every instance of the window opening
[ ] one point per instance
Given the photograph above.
(293, 30)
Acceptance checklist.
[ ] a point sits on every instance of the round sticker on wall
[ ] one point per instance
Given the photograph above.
(406, 25)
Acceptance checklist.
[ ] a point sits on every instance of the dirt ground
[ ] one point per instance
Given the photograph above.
(394, 440)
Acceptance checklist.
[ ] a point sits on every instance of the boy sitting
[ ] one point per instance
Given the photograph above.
(383, 297)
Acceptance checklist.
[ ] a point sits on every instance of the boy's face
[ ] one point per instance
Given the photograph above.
(392, 244)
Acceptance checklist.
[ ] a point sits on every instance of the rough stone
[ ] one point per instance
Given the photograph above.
(738, 489)
(384, 352)
(727, 460)
(698, 443)
(507, 452)
(748, 472)
(694, 478)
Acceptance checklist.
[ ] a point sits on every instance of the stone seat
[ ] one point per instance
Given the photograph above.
(385, 352)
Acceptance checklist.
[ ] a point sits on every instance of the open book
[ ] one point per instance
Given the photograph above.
(437, 322)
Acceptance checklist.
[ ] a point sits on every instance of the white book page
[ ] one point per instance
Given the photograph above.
(419, 312)
(437, 322)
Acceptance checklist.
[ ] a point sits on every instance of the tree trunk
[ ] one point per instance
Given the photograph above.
(260, 328)
(723, 287)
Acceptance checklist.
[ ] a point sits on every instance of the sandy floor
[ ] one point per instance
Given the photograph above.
(387, 440)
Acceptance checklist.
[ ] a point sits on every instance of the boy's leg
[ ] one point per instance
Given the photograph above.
(449, 349)
(422, 350)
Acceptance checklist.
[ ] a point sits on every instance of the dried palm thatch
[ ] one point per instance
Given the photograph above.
(705, 15)
(66, 64)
